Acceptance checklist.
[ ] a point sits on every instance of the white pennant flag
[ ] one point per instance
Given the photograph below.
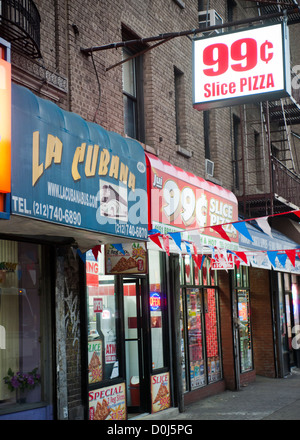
(264, 225)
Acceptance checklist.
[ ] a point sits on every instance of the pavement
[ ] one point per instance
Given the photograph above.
(263, 399)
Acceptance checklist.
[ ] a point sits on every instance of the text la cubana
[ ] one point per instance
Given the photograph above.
(94, 160)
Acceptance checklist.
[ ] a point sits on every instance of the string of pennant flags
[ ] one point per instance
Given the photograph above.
(219, 254)
(163, 241)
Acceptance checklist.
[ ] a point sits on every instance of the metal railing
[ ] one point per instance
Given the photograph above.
(286, 184)
(20, 25)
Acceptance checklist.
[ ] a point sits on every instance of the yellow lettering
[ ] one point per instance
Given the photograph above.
(123, 173)
(37, 169)
(78, 157)
(131, 181)
(53, 150)
(114, 167)
(104, 160)
(91, 160)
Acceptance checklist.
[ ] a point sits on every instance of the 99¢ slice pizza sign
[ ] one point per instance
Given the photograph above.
(238, 67)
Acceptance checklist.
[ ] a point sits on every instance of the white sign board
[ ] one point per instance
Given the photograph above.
(233, 68)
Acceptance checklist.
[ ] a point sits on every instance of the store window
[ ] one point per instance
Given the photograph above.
(200, 339)
(102, 322)
(25, 370)
(157, 310)
(242, 312)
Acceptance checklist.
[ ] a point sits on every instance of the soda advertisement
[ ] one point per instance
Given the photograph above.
(108, 403)
(160, 392)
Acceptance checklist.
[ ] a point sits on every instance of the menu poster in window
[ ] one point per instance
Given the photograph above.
(160, 392)
(130, 258)
(108, 403)
(95, 360)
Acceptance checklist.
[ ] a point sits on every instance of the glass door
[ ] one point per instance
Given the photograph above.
(135, 353)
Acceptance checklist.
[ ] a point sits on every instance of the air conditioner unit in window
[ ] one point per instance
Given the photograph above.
(210, 18)
(209, 167)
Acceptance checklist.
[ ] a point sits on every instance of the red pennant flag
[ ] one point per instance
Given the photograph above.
(155, 239)
(195, 249)
(95, 251)
(166, 244)
(297, 212)
(291, 253)
(237, 262)
(242, 256)
(220, 230)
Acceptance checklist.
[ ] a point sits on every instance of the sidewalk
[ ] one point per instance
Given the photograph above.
(264, 399)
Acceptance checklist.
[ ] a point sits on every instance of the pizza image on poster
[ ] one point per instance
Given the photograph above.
(108, 403)
(160, 392)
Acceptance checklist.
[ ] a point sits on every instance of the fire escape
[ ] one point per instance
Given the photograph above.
(270, 137)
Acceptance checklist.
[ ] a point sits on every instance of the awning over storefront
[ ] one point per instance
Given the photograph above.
(181, 201)
(73, 177)
(268, 252)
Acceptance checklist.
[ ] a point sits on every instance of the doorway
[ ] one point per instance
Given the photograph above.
(137, 359)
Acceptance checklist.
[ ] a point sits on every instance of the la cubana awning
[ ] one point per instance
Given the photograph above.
(181, 201)
(70, 173)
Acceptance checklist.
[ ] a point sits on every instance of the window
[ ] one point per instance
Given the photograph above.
(132, 75)
(200, 339)
(24, 324)
(102, 322)
(157, 310)
(242, 312)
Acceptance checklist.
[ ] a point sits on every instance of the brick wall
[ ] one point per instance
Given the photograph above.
(262, 334)
(226, 330)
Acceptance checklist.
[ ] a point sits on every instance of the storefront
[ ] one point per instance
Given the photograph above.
(281, 297)
(181, 206)
(74, 186)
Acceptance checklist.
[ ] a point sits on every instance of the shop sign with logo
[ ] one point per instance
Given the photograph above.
(74, 173)
(237, 67)
(182, 201)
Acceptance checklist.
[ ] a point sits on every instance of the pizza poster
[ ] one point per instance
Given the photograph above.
(160, 392)
(126, 258)
(95, 360)
(108, 403)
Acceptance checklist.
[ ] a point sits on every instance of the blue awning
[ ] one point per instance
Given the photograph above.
(74, 173)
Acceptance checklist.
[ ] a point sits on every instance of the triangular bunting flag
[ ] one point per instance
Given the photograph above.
(95, 251)
(153, 231)
(155, 239)
(264, 225)
(81, 255)
(188, 247)
(166, 243)
(177, 238)
(272, 257)
(242, 256)
(242, 228)
(291, 253)
(237, 262)
(282, 259)
(219, 229)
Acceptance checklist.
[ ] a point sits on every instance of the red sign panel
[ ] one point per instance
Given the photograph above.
(185, 201)
(5, 126)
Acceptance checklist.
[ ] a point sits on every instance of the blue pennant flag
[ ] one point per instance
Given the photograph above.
(272, 257)
(176, 237)
(81, 255)
(188, 248)
(242, 228)
(153, 231)
(282, 259)
(119, 248)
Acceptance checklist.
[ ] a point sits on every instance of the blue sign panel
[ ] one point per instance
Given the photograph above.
(72, 172)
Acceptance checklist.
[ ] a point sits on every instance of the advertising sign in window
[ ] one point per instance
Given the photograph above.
(5, 126)
(108, 403)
